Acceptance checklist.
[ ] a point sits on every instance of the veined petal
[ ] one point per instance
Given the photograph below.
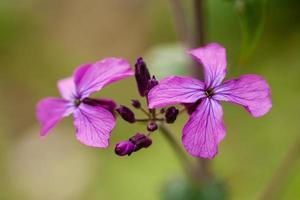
(67, 88)
(50, 111)
(176, 89)
(250, 91)
(93, 125)
(92, 78)
(213, 59)
(204, 129)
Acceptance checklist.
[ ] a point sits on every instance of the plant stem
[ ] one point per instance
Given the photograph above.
(277, 180)
(202, 171)
(204, 165)
(180, 21)
(144, 111)
(186, 163)
(199, 24)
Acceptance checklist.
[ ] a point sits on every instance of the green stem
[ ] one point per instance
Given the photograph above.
(180, 21)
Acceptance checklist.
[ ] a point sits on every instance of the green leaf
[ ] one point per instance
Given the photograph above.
(252, 17)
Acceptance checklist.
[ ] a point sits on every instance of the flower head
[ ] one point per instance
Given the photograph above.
(205, 129)
(93, 118)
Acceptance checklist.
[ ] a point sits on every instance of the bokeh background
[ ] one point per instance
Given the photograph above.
(42, 41)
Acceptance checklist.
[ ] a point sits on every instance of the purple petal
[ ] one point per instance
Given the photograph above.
(92, 78)
(213, 59)
(50, 111)
(67, 88)
(176, 89)
(250, 91)
(204, 129)
(93, 125)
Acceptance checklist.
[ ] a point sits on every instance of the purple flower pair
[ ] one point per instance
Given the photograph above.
(93, 118)
(205, 128)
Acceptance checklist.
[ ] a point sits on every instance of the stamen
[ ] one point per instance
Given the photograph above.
(209, 92)
(77, 102)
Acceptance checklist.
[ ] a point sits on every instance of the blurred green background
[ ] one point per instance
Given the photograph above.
(42, 41)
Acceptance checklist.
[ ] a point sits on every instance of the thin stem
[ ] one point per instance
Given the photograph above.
(278, 179)
(198, 37)
(180, 20)
(147, 119)
(198, 40)
(186, 164)
(144, 111)
(199, 23)
(142, 120)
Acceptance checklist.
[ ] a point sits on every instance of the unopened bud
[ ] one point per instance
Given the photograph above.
(140, 141)
(171, 114)
(152, 126)
(124, 148)
(126, 114)
(142, 76)
(135, 103)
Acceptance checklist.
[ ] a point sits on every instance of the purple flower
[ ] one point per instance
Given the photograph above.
(93, 118)
(205, 129)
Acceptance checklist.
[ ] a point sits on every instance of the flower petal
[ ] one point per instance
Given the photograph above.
(176, 89)
(50, 111)
(204, 129)
(67, 88)
(93, 125)
(250, 91)
(213, 59)
(92, 78)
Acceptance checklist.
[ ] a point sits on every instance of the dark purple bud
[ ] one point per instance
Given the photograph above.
(135, 103)
(140, 141)
(152, 126)
(106, 103)
(191, 107)
(162, 110)
(142, 76)
(171, 114)
(124, 148)
(126, 114)
(152, 82)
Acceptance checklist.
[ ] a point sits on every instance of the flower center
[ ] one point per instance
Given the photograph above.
(209, 92)
(77, 102)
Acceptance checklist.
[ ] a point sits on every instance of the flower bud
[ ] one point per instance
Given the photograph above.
(152, 126)
(140, 141)
(171, 114)
(135, 103)
(124, 148)
(142, 76)
(152, 82)
(126, 114)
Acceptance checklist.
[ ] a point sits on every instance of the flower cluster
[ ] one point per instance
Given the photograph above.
(95, 119)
